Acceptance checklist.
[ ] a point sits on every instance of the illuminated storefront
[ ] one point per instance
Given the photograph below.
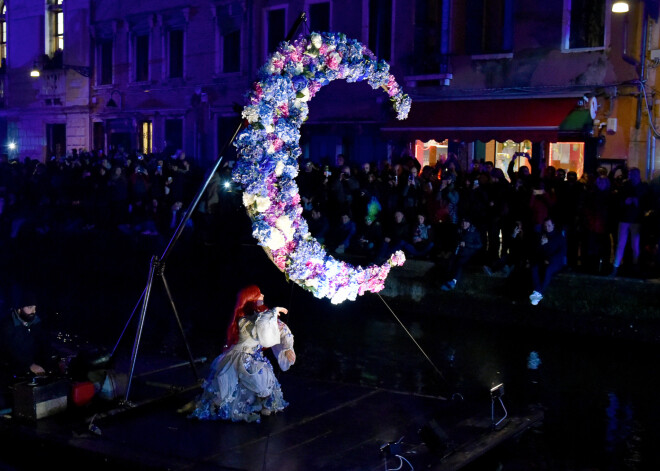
(566, 155)
(497, 131)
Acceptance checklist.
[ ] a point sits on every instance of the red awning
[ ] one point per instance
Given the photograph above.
(536, 119)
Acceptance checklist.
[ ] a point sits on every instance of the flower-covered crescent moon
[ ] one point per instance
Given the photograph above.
(268, 149)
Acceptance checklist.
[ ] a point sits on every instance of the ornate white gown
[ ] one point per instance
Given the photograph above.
(241, 383)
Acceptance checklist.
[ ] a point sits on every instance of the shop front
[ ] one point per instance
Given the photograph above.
(499, 131)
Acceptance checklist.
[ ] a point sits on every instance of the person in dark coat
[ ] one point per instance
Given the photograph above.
(469, 243)
(25, 350)
(550, 259)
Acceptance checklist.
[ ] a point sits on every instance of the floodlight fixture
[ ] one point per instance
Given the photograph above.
(496, 393)
(620, 7)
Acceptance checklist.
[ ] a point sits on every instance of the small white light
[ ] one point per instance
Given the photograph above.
(620, 7)
(227, 184)
(34, 73)
(12, 146)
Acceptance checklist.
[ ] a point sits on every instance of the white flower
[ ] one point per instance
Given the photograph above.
(279, 168)
(251, 113)
(262, 203)
(317, 40)
(283, 223)
(248, 199)
(299, 68)
(340, 296)
(276, 240)
(270, 129)
(305, 94)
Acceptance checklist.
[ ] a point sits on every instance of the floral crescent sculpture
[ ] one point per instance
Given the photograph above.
(268, 149)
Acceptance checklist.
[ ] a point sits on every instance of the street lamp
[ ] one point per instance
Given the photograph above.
(81, 69)
(34, 72)
(620, 7)
(111, 102)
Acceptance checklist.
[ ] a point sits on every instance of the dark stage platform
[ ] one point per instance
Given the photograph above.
(328, 426)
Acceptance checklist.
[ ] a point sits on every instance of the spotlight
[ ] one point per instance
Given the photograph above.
(496, 392)
(392, 448)
(34, 71)
(620, 7)
(12, 146)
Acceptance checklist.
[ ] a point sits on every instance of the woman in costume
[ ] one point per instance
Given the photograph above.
(242, 384)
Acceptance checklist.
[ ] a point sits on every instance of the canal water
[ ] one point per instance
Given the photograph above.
(600, 396)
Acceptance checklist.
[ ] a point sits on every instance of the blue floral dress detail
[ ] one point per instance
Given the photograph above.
(241, 384)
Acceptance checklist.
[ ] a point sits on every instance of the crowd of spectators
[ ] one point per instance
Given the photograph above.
(135, 193)
(610, 219)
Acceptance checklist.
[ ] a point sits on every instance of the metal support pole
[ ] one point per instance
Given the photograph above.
(152, 270)
(158, 264)
(178, 321)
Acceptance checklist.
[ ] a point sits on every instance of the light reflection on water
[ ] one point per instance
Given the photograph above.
(600, 409)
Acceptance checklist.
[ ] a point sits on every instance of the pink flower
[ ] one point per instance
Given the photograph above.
(277, 144)
(333, 60)
(295, 56)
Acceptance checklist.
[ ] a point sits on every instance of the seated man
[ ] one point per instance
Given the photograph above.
(24, 350)
(550, 257)
(420, 241)
(395, 234)
(369, 237)
(23, 344)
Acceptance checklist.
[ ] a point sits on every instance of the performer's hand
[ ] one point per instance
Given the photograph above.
(291, 356)
(281, 310)
(37, 370)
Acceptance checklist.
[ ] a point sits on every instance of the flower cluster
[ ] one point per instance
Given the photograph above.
(268, 150)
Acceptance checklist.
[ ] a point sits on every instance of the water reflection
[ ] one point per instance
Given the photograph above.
(600, 409)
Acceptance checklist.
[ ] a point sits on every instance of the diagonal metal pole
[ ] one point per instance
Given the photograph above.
(158, 263)
(178, 321)
(145, 301)
(413, 339)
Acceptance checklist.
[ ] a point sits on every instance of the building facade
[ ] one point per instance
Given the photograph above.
(568, 80)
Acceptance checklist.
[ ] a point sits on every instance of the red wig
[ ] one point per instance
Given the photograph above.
(246, 304)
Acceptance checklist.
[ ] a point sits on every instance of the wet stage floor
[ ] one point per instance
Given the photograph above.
(327, 426)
